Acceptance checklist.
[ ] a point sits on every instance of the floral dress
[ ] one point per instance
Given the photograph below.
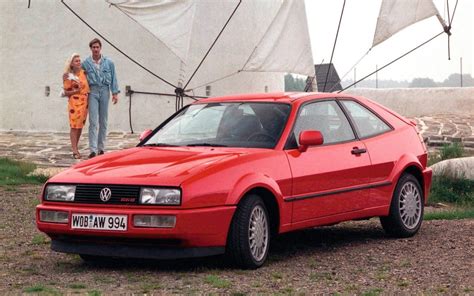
(77, 104)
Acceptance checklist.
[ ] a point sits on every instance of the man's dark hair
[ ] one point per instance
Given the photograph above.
(94, 41)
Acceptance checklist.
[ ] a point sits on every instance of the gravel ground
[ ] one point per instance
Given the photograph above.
(352, 258)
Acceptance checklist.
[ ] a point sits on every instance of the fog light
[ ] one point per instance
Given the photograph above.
(54, 216)
(159, 221)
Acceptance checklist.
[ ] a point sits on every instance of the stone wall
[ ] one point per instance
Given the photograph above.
(417, 102)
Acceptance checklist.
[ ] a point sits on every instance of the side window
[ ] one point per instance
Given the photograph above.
(326, 117)
(367, 123)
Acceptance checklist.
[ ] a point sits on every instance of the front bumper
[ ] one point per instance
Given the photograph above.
(195, 228)
(142, 251)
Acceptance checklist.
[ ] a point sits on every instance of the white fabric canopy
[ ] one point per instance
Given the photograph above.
(262, 36)
(396, 15)
(285, 47)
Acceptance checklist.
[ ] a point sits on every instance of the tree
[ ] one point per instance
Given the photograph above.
(454, 80)
(423, 82)
(293, 83)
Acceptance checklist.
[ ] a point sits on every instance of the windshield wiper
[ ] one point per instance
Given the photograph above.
(206, 144)
(159, 145)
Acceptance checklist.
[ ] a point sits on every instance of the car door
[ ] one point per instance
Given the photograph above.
(371, 129)
(332, 178)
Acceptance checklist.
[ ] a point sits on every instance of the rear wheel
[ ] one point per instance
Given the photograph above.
(406, 209)
(249, 235)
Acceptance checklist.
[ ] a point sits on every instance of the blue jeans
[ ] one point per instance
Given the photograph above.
(98, 112)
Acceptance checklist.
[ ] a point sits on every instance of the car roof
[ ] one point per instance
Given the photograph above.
(283, 97)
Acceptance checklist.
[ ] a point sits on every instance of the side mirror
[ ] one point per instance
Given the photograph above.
(145, 134)
(310, 138)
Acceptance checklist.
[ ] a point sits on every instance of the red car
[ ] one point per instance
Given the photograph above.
(225, 175)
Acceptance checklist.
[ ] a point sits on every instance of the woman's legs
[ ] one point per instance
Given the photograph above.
(78, 136)
(75, 134)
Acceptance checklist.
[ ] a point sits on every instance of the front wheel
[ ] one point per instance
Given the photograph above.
(249, 235)
(406, 208)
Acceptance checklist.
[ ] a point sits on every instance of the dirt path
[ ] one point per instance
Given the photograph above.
(353, 258)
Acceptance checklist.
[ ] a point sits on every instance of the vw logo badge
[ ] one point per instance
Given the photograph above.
(105, 194)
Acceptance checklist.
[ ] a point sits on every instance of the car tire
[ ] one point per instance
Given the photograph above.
(249, 235)
(406, 209)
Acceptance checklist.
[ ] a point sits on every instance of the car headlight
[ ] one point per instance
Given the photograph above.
(160, 196)
(60, 192)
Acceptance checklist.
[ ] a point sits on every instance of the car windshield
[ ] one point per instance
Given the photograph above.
(257, 125)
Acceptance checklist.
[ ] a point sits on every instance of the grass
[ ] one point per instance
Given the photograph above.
(454, 214)
(41, 289)
(450, 187)
(148, 288)
(14, 172)
(77, 286)
(373, 292)
(458, 191)
(448, 151)
(39, 240)
(217, 282)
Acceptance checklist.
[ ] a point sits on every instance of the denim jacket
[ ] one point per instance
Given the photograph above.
(105, 76)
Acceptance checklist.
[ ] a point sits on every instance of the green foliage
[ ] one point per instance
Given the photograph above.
(41, 290)
(39, 240)
(217, 282)
(422, 82)
(14, 172)
(455, 214)
(293, 83)
(454, 150)
(448, 151)
(373, 292)
(457, 191)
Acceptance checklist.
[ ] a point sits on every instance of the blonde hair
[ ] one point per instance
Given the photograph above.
(67, 65)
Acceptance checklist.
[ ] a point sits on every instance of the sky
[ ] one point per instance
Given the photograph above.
(356, 36)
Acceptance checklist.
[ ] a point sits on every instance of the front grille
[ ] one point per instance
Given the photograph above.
(121, 194)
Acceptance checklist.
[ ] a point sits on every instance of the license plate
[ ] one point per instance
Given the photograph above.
(98, 221)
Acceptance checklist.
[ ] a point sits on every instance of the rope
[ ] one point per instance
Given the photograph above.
(408, 52)
(116, 48)
(447, 7)
(454, 11)
(212, 45)
(360, 60)
(334, 46)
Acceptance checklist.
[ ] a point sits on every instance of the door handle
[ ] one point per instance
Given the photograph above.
(358, 151)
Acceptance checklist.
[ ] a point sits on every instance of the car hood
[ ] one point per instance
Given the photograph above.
(165, 166)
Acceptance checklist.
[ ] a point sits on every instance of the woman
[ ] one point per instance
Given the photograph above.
(77, 89)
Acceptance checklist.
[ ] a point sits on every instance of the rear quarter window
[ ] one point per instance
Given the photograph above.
(366, 122)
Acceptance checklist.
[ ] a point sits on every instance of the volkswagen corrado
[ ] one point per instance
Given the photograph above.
(225, 175)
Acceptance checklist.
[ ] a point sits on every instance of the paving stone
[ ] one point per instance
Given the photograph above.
(437, 143)
(453, 139)
(468, 144)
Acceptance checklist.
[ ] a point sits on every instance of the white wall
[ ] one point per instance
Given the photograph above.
(35, 42)
(413, 102)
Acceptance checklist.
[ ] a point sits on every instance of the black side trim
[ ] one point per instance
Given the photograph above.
(132, 251)
(338, 191)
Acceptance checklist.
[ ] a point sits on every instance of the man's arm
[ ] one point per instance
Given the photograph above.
(114, 85)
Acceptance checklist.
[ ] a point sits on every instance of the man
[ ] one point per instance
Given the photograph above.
(102, 80)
